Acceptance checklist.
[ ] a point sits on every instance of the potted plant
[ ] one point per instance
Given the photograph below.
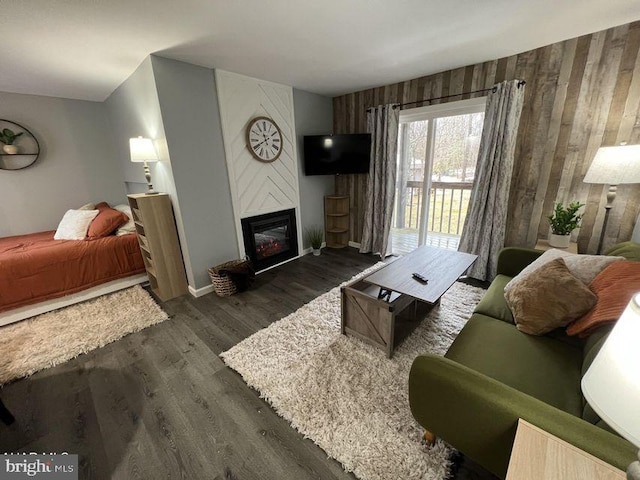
(564, 221)
(314, 236)
(8, 137)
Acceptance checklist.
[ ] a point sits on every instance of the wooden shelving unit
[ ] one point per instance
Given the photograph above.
(158, 240)
(29, 148)
(336, 221)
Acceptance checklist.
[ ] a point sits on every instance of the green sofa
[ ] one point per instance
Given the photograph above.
(494, 374)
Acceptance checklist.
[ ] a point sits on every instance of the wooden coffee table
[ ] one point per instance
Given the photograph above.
(384, 307)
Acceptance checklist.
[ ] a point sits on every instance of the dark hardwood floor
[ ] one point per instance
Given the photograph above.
(161, 404)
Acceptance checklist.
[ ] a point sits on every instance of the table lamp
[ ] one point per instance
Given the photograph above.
(142, 151)
(613, 166)
(612, 382)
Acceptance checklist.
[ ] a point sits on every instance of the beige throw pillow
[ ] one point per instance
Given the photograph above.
(74, 224)
(584, 267)
(543, 259)
(587, 267)
(128, 227)
(549, 299)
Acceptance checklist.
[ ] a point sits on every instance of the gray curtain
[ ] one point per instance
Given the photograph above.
(484, 227)
(382, 123)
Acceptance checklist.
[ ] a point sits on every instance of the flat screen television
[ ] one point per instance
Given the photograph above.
(335, 154)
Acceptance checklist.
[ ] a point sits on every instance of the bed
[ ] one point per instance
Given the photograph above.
(39, 274)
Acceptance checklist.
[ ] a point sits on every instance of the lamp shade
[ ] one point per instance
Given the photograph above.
(615, 165)
(142, 150)
(612, 382)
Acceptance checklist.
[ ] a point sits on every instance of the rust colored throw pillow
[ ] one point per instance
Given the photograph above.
(615, 286)
(548, 299)
(107, 221)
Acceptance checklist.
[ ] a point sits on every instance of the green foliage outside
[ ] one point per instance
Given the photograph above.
(456, 142)
(447, 210)
(455, 150)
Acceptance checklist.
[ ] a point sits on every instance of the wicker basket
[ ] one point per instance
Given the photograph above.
(222, 284)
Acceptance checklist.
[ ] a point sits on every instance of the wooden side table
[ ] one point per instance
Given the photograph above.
(544, 245)
(539, 455)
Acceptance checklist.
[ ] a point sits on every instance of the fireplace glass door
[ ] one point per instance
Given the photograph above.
(271, 238)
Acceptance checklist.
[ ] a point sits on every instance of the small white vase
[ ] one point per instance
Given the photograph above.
(10, 149)
(316, 252)
(559, 241)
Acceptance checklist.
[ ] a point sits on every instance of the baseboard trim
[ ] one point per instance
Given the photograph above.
(281, 263)
(199, 292)
(354, 244)
(309, 250)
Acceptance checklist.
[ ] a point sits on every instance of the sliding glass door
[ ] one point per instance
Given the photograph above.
(437, 153)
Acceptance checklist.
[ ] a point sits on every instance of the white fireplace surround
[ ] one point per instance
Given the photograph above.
(258, 187)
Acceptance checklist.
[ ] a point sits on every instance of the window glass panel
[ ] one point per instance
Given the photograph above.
(437, 154)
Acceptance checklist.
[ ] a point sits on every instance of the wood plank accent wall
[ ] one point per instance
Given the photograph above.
(581, 93)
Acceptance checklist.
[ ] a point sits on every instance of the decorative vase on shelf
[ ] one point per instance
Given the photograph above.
(10, 149)
(559, 241)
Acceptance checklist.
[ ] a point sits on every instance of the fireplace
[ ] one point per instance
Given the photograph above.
(271, 238)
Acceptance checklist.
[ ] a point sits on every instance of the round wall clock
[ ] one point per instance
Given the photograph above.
(264, 139)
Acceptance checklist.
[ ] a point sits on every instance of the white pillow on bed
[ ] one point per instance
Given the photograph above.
(74, 224)
(128, 227)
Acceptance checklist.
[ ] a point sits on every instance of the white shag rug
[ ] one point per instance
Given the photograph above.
(345, 395)
(56, 337)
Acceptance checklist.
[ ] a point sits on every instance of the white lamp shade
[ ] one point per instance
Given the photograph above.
(615, 165)
(142, 150)
(612, 383)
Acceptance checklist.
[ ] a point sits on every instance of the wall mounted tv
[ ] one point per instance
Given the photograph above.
(335, 154)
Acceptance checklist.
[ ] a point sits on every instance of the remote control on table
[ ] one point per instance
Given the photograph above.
(420, 278)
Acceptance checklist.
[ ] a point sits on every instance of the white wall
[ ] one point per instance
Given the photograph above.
(314, 116)
(189, 106)
(85, 155)
(134, 110)
(77, 162)
(258, 187)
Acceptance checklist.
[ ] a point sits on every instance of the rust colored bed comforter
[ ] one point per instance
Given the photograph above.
(35, 267)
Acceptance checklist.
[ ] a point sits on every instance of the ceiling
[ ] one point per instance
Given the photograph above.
(86, 48)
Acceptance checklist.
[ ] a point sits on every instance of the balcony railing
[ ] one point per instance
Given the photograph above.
(448, 204)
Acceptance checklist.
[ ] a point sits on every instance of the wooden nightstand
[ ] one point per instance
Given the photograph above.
(539, 455)
(544, 245)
